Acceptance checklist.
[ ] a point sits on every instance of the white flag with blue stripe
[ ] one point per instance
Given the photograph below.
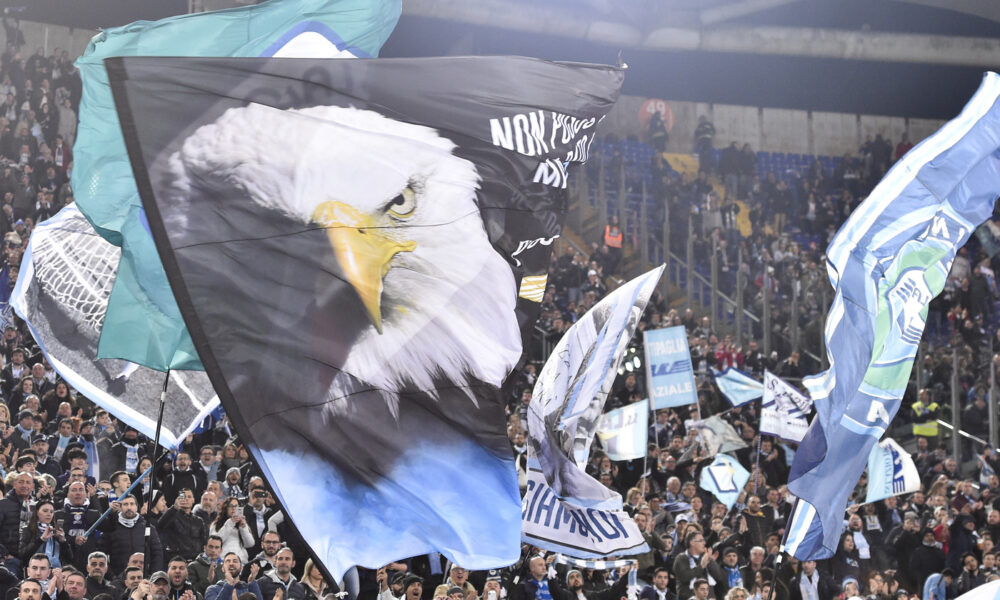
(724, 478)
(890, 471)
(624, 432)
(738, 387)
(784, 411)
(887, 262)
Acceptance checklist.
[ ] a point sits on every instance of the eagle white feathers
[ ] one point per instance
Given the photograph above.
(401, 217)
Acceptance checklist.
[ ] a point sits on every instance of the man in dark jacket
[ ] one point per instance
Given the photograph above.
(695, 563)
(126, 453)
(183, 533)
(180, 587)
(77, 517)
(97, 569)
(14, 511)
(927, 559)
(537, 585)
(124, 534)
(281, 576)
(810, 584)
(183, 477)
(207, 569)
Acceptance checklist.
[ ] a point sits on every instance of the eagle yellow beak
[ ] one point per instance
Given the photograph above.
(363, 250)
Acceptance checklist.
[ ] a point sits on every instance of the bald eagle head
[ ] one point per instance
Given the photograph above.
(400, 215)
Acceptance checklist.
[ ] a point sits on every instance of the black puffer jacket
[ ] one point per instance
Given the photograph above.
(183, 533)
(10, 524)
(120, 542)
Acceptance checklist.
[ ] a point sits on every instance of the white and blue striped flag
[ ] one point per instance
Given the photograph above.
(890, 471)
(738, 387)
(887, 262)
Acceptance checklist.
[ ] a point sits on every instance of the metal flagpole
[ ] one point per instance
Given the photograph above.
(156, 446)
(756, 464)
(992, 404)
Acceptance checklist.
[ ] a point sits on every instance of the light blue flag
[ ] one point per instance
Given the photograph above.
(624, 432)
(142, 323)
(738, 387)
(887, 262)
(669, 374)
(890, 471)
(724, 478)
(568, 399)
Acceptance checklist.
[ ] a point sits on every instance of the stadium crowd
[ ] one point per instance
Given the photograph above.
(212, 529)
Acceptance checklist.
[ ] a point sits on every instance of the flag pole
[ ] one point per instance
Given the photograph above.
(756, 464)
(152, 476)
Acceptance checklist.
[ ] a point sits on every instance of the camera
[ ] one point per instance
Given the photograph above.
(260, 494)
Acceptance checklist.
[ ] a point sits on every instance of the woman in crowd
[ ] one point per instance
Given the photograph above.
(232, 527)
(43, 536)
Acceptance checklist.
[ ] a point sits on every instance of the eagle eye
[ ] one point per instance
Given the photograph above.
(403, 205)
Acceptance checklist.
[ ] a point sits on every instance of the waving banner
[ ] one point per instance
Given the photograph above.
(624, 432)
(62, 294)
(738, 387)
(340, 237)
(890, 471)
(784, 410)
(669, 373)
(142, 323)
(887, 262)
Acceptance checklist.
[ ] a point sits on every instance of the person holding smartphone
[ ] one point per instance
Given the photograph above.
(43, 536)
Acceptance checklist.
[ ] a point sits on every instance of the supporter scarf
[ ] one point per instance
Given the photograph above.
(543, 592)
(127, 522)
(131, 458)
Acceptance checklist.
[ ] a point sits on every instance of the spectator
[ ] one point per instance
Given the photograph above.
(124, 534)
(182, 532)
(207, 569)
(281, 577)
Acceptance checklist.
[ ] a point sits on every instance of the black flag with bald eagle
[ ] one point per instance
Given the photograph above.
(356, 247)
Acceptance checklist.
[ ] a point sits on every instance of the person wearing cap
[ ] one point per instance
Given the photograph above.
(455, 593)
(59, 442)
(904, 539)
(232, 569)
(15, 503)
(390, 588)
(458, 576)
(43, 461)
(927, 558)
(493, 586)
(731, 569)
(413, 587)
(158, 587)
(127, 452)
(14, 371)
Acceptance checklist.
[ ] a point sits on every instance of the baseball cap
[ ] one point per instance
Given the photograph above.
(158, 576)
